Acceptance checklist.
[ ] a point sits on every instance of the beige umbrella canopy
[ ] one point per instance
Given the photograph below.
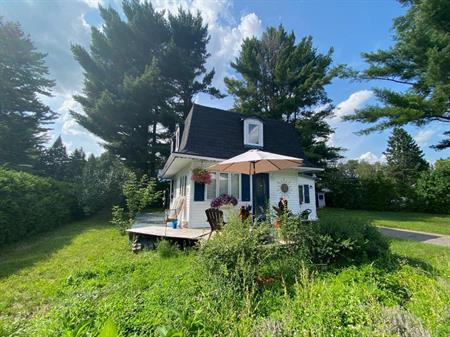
(256, 161)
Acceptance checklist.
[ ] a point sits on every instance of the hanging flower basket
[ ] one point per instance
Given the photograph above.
(224, 200)
(201, 175)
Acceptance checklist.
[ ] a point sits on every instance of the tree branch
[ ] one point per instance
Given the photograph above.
(387, 79)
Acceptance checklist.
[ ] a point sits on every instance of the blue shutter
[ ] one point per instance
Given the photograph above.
(199, 192)
(245, 187)
(306, 193)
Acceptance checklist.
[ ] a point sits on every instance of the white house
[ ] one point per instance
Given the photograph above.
(212, 135)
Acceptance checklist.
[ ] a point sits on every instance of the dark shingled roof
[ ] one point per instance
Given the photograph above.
(216, 133)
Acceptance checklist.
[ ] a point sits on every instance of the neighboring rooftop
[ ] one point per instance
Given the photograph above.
(217, 133)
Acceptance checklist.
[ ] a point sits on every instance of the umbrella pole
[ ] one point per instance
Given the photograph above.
(252, 172)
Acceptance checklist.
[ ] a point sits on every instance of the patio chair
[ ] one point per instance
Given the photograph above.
(173, 212)
(215, 219)
(304, 216)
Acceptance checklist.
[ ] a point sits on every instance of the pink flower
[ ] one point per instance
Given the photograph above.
(222, 200)
(202, 176)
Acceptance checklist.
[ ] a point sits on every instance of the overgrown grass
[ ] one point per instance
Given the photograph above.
(425, 222)
(85, 273)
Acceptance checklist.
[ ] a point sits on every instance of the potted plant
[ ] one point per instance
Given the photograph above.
(201, 175)
(224, 200)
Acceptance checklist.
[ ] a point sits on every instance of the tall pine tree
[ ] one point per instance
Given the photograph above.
(23, 116)
(420, 61)
(55, 161)
(405, 160)
(186, 59)
(140, 76)
(285, 80)
(77, 162)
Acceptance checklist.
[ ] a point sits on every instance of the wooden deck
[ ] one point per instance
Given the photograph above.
(167, 232)
(152, 225)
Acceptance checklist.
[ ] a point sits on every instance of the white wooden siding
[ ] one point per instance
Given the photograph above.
(306, 180)
(197, 216)
(194, 211)
(184, 215)
(289, 177)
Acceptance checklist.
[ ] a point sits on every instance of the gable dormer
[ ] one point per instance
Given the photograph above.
(253, 132)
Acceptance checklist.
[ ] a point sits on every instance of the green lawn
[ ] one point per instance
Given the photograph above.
(84, 274)
(433, 223)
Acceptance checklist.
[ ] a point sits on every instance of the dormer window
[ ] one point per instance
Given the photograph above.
(253, 132)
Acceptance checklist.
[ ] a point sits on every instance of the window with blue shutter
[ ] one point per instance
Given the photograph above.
(245, 187)
(199, 191)
(306, 193)
(300, 194)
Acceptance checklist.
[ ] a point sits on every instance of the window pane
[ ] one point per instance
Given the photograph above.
(306, 191)
(235, 185)
(253, 134)
(300, 193)
(223, 183)
(211, 189)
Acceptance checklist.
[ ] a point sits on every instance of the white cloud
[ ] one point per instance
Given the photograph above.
(353, 102)
(226, 42)
(93, 3)
(226, 34)
(211, 11)
(74, 135)
(423, 136)
(372, 158)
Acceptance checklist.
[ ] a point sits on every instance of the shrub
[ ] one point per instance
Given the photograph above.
(120, 219)
(246, 255)
(243, 256)
(30, 204)
(433, 189)
(343, 241)
(100, 184)
(139, 194)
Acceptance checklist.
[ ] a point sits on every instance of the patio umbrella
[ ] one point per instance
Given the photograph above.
(256, 161)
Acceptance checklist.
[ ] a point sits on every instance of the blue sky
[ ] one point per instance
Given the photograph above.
(349, 26)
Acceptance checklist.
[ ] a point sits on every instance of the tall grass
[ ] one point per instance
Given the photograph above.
(92, 277)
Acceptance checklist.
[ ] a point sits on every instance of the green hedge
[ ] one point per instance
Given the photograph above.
(31, 204)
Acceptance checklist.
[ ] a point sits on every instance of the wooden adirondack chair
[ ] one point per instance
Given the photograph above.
(172, 213)
(215, 219)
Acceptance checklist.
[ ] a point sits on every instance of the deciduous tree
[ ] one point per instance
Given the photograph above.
(433, 188)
